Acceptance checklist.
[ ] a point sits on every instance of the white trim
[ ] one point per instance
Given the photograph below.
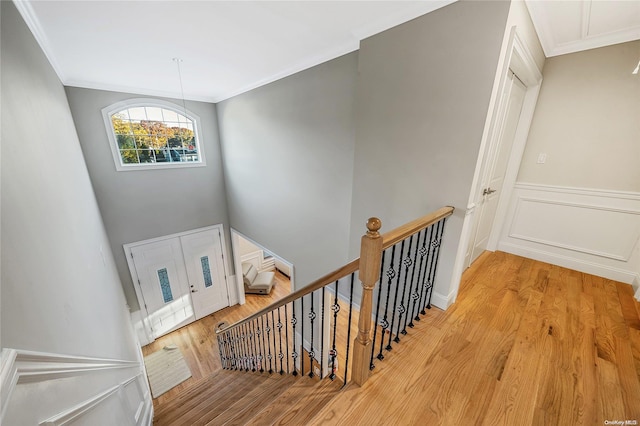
(441, 301)
(614, 256)
(32, 21)
(516, 55)
(636, 285)
(22, 366)
(108, 111)
(541, 22)
(238, 264)
(585, 266)
(80, 409)
(143, 414)
(144, 315)
(608, 193)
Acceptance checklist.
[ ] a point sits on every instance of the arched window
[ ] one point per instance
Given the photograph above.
(153, 134)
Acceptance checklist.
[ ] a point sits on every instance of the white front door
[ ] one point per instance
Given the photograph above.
(515, 92)
(163, 283)
(205, 269)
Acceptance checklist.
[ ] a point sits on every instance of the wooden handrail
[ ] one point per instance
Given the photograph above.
(410, 228)
(388, 239)
(341, 272)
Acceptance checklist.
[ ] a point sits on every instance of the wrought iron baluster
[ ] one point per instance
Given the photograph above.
(269, 356)
(219, 340)
(280, 353)
(346, 362)
(418, 289)
(245, 352)
(302, 336)
(333, 353)
(294, 321)
(391, 273)
(312, 317)
(260, 353)
(437, 255)
(286, 332)
(323, 291)
(413, 291)
(236, 349)
(275, 348)
(395, 297)
(407, 262)
(254, 353)
(264, 342)
(425, 280)
(376, 325)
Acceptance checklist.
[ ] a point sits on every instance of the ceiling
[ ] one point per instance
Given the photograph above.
(229, 47)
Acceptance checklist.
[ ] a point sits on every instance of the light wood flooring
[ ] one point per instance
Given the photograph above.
(526, 343)
(198, 343)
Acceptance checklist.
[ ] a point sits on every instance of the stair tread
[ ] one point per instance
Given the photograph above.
(298, 403)
(245, 408)
(197, 401)
(216, 379)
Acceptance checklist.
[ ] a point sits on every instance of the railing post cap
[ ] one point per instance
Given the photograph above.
(373, 225)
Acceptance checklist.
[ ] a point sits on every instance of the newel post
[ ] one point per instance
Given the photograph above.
(370, 254)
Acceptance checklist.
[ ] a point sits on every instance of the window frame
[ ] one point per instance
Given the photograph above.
(108, 111)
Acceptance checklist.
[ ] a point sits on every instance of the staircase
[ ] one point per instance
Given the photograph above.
(237, 398)
(284, 364)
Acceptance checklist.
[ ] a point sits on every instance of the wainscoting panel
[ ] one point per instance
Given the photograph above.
(54, 389)
(589, 230)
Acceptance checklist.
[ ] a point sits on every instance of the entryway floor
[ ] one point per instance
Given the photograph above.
(197, 341)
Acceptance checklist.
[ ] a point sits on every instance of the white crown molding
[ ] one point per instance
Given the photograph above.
(21, 366)
(32, 21)
(541, 22)
(594, 42)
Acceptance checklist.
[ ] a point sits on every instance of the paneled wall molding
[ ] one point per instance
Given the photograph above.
(143, 412)
(22, 366)
(595, 192)
(591, 230)
(625, 252)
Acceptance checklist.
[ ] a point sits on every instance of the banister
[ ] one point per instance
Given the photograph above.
(388, 239)
(400, 233)
(343, 271)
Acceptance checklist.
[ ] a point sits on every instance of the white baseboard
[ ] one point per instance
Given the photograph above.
(636, 286)
(441, 301)
(569, 262)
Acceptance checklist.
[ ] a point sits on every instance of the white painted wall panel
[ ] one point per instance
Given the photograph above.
(589, 230)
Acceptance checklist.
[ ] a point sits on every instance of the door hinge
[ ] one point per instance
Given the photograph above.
(131, 253)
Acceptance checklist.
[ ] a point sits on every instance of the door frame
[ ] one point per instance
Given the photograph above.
(519, 59)
(237, 262)
(143, 314)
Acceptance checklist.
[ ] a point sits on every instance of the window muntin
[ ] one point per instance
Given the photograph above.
(153, 135)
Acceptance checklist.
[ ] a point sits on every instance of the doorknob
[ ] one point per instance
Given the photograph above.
(488, 191)
(193, 291)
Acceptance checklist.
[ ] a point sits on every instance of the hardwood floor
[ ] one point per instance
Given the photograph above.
(526, 343)
(198, 343)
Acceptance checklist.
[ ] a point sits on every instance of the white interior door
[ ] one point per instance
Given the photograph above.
(515, 92)
(163, 283)
(205, 269)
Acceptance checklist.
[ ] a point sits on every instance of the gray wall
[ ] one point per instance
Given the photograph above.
(60, 287)
(602, 131)
(288, 158)
(142, 204)
(422, 100)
